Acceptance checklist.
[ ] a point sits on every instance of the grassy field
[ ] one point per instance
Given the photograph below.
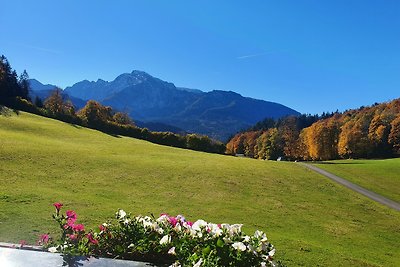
(380, 176)
(311, 220)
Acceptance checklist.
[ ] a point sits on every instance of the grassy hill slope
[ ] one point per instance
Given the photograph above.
(381, 176)
(310, 220)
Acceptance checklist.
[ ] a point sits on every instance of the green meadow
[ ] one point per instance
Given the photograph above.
(311, 220)
(380, 176)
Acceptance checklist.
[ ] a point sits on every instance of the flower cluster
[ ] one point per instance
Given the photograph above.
(167, 239)
(74, 239)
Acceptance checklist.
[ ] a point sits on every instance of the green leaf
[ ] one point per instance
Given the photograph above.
(220, 243)
(206, 250)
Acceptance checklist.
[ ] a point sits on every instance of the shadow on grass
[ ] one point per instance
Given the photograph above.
(337, 163)
(7, 112)
(76, 126)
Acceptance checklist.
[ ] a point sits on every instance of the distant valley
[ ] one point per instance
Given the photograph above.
(161, 106)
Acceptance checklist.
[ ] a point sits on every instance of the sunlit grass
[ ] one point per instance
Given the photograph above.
(311, 220)
(380, 176)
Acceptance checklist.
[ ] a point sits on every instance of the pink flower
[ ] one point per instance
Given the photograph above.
(102, 227)
(173, 221)
(91, 239)
(78, 227)
(58, 206)
(72, 237)
(71, 215)
(44, 239)
(189, 223)
(22, 243)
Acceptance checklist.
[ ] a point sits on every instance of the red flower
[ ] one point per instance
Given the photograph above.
(78, 227)
(71, 215)
(102, 228)
(91, 239)
(58, 206)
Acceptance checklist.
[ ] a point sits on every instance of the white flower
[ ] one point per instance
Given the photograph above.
(147, 224)
(165, 240)
(162, 218)
(198, 224)
(239, 246)
(271, 253)
(175, 264)
(121, 214)
(198, 264)
(215, 230)
(180, 218)
(246, 238)
(52, 249)
(131, 246)
(258, 234)
(172, 251)
(177, 227)
(263, 264)
(235, 229)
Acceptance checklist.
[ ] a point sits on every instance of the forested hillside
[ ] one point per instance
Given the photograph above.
(367, 132)
(14, 93)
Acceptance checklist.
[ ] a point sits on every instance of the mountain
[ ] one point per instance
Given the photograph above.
(218, 114)
(43, 91)
(35, 85)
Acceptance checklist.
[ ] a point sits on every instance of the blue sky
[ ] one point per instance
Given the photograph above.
(312, 56)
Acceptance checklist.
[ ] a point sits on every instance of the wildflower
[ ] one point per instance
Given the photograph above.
(22, 243)
(239, 246)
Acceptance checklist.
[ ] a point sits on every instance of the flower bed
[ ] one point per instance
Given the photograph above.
(167, 239)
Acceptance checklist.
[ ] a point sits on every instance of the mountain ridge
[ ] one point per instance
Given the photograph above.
(216, 113)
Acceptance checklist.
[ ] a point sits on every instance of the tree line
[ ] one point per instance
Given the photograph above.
(14, 93)
(367, 132)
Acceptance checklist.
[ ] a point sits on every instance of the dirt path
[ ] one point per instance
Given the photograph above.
(374, 196)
